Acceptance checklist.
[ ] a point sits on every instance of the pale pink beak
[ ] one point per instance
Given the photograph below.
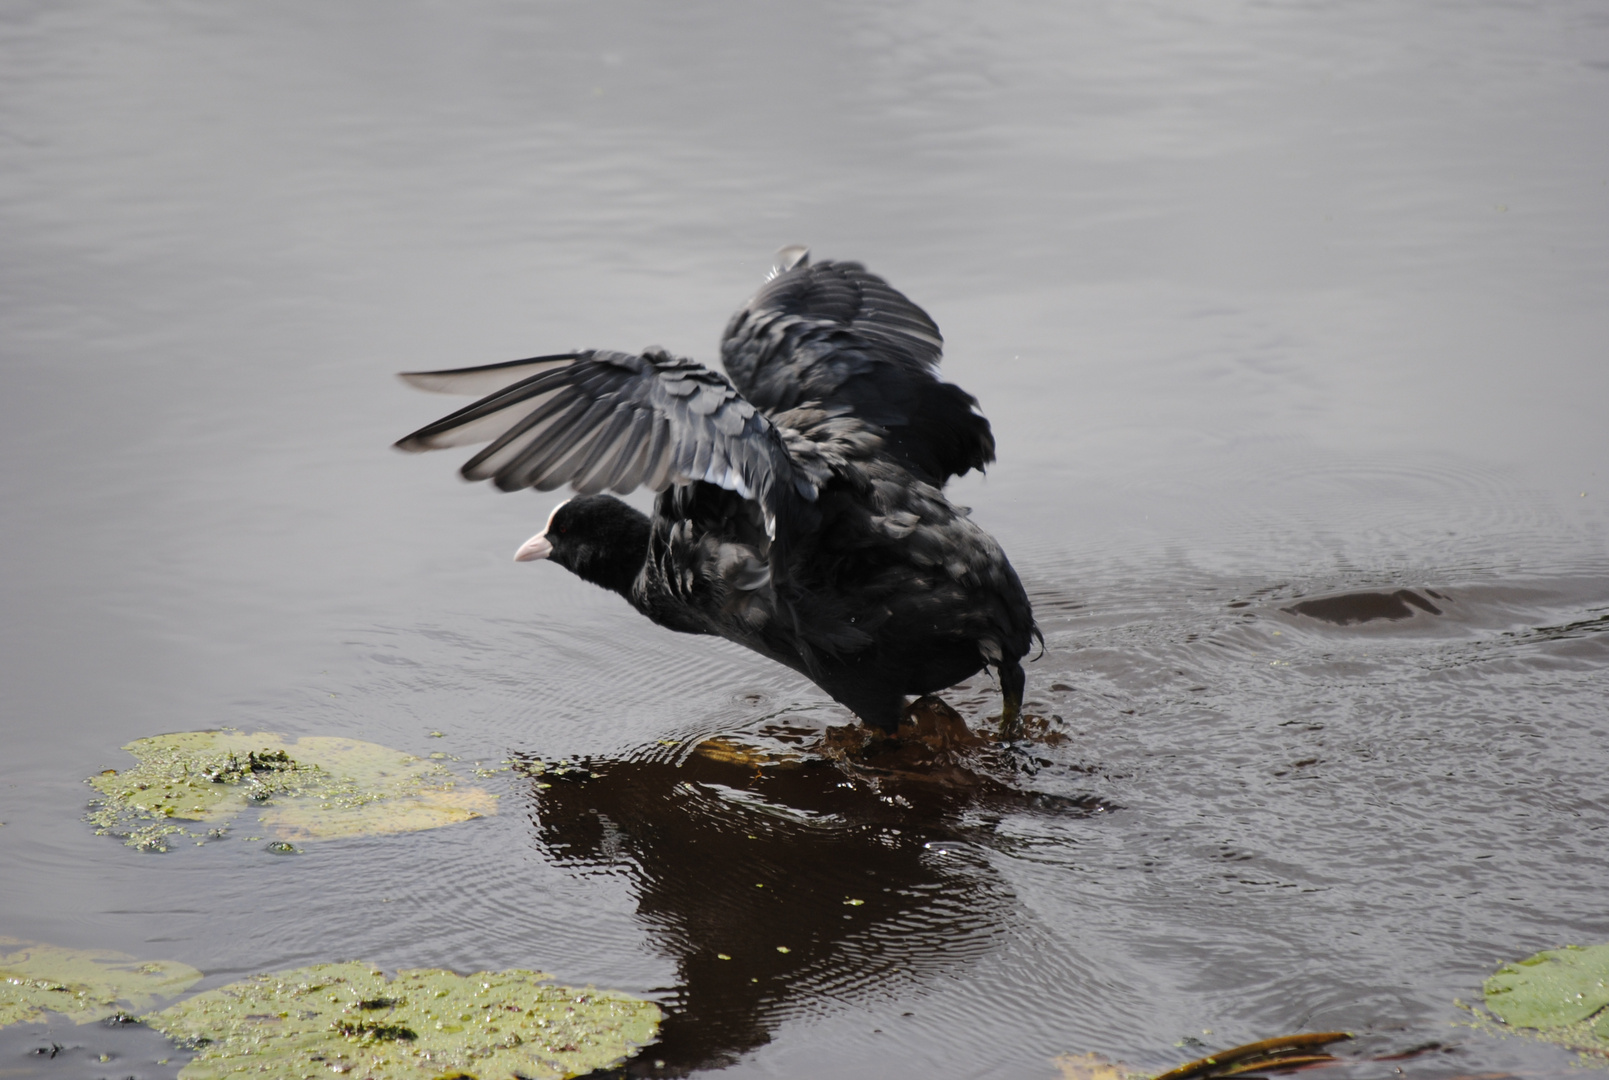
(537, 547)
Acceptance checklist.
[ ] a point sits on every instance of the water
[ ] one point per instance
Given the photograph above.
(1266, 304)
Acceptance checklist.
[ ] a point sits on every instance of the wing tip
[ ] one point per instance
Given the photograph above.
(485, 378)
(788, 258)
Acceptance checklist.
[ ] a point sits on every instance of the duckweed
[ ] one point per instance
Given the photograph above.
(350, 1019)
(85, 985)
(192, 784)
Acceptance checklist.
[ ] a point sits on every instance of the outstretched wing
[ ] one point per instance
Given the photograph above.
(599, 420)
(835, 334)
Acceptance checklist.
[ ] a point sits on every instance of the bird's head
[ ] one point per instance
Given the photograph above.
(596, 537)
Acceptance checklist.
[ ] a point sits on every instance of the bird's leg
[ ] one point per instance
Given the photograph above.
(1012, 682)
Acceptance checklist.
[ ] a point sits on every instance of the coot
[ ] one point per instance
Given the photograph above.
(800, 509)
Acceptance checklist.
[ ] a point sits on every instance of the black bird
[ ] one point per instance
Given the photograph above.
(800, 510)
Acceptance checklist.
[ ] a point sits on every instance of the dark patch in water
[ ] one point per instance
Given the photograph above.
(58, 1047)
(1362, 607)
(776, 880)
(1567, 631)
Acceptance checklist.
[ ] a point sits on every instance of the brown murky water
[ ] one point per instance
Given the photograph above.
(1291, 324)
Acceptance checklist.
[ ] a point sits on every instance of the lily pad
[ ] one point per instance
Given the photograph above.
(350, 1019)
(193, 783)
(1561, 993)
(85, 985)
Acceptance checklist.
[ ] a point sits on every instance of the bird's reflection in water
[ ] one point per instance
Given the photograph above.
(782, 881)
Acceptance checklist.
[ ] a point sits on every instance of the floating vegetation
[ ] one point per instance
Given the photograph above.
(1283, 1052)
(339, 1018)
(84, 985)
(1090, 1067)
(190, 785)
(350, 1019)
(537, 769)
(1560, 995)
(727, 751)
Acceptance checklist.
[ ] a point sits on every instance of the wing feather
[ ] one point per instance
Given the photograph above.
(835, 335)
(555, 454)
(599, 420)
(556, 409)
(601, 455)
(659, 457)
(487, 427)
(631, 466)
(480, 381)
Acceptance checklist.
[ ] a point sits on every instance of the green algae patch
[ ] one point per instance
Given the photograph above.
(188, 787)
(1561, 995)
(350, 1019)
(84, 985)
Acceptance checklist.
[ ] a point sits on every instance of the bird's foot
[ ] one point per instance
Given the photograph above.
(1011, 727)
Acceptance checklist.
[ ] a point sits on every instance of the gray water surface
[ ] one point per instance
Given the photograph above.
(1268, 305)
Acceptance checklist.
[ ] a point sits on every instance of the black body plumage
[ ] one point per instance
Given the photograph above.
(800, 510)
